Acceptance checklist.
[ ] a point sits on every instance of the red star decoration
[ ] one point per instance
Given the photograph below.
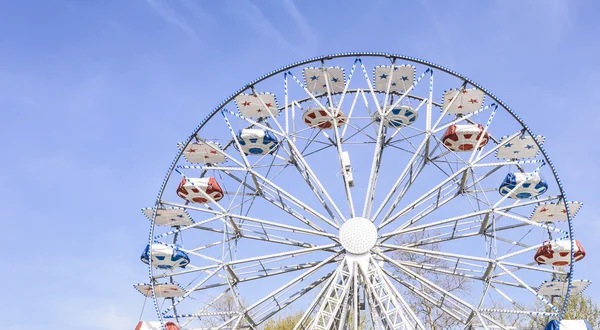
(206, 157)
(192, 150)
(246, 103)
(460, 107)
(255, 96)
(258, 110)
(465, 91)
(473, 101)
(268, 105)
(544, 209)
(564, 211)
(214, 152)
(550, 215)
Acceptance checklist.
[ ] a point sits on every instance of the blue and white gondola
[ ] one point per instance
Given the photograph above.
(533, 185)
(256, 142)
(397, 117)
(165, 257)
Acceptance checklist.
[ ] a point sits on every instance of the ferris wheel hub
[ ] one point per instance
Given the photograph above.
(358, 235)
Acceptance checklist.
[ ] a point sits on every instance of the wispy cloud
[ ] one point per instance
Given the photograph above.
(547, 22)
(305, 29)
(264, 24)
(200, 14)
(170, 16)
(556, 17)
(443, 34)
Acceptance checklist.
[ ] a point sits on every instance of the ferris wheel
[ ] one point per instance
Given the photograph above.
(350, 190)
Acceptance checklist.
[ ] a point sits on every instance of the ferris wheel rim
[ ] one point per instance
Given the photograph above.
(359, 55)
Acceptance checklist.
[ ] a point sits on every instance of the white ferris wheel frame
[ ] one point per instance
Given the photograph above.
(335, 300)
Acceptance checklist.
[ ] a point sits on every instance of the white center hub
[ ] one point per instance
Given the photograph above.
(358, 235)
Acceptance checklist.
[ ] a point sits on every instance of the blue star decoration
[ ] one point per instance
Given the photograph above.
(334, 79)
(516, 152)
(522, 137)
(529, 146)
(395, 68)
(404, 78)
(180, 216)
(508, 145)
(394, 84)
(313, 78)
(324, 85)
(383, 76)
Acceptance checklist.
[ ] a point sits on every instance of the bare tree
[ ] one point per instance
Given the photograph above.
(224, 308)
(579, 307)
(509, 320)
(363, 321)
(431, 315)
(287, 322)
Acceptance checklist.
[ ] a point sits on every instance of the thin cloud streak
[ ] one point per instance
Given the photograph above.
(199, 14)
(302, 23)
(264, 24)
(169, 15)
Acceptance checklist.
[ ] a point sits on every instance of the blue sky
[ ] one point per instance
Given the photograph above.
(95, 94)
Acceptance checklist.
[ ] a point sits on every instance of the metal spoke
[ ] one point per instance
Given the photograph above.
(303, 168)
(429, 284)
